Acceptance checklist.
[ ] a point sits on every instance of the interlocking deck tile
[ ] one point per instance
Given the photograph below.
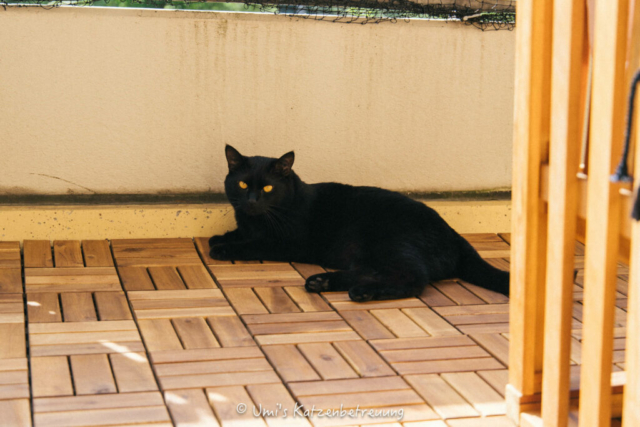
(117, 409)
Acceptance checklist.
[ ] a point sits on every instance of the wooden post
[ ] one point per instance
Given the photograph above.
(532, 105)
(566, 138)
(603, 204)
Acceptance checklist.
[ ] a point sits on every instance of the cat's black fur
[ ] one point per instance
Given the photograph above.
(385, 244)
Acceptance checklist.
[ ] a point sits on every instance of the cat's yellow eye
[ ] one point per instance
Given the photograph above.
(243, 185)
(268, 188)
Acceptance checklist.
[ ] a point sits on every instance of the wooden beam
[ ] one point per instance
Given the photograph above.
(566, 138)
(603, 210)
(531, 137)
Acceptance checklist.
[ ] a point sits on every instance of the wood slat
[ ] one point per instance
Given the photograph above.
(189, 408)
(305, 300)
(307, 270)
(196, 277)
(476, 391)
(158, 334)
(276, 300)
(135, 279)
(97, 253)
(132, 372)
(205, 354)
(50, 377)
(16, 412)
(112, 306)
(317, 337)
(495, 344)
(224, 401)
(440, 366)
(603, 208)
(290, 317)
(398, 323)
(441, 396)
(92, 374)
(11, 280)
(194, 332)
(151, 416)
(65, 279)
(105, 401)
(230, 331)
(290, 363)
(434, 298)
(430, 321)
(221, 379)
(327, 361)
(245, 301)
(276, 398)
(318, 388)
(431, 342)
(37, 254)
(285, 328)
(166, 278)
(366, 325)
(44, 307)
(78, 307)
(213, 367)
(363, 359)
(68, 253)
(12, 338)
(457, 293)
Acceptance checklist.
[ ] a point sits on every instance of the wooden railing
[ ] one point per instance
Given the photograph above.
(574, 62)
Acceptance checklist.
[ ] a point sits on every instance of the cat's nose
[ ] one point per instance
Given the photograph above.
(252, 199)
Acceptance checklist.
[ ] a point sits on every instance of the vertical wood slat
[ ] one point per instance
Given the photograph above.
(532, 102)
(631, 409)
(603, 210)
(565, 146)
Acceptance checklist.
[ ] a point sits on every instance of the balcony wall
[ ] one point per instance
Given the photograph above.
(142, 101)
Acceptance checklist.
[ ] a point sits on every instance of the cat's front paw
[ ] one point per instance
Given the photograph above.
(361, 294)
(216, 240)
(318, 283)
(222, 252)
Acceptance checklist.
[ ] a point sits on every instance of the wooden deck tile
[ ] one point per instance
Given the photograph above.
(92, 374)
(400, 324)
(71, 279)
(276, 398)
(119, 409)
(497, 379)
(307, 301)
(135, 279)
(230, 331)
(10, 255)
(245, 301)
(495, 344)
(457, 293)
(194, 332)
(256, 275)
(434, 298)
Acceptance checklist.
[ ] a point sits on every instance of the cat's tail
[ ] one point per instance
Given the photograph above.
(473, 269)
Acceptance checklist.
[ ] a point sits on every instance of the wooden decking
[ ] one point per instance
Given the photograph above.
(154, 332)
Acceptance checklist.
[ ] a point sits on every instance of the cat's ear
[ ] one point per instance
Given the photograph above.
(283, 165)
(234, 158)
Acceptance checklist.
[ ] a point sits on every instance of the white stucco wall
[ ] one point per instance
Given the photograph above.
(143, 101)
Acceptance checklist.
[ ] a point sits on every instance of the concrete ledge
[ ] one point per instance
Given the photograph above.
(140, 221)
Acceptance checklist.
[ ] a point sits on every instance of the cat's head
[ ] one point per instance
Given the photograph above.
(256, 185)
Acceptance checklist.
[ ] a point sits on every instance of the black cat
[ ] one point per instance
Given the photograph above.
(385, 244)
